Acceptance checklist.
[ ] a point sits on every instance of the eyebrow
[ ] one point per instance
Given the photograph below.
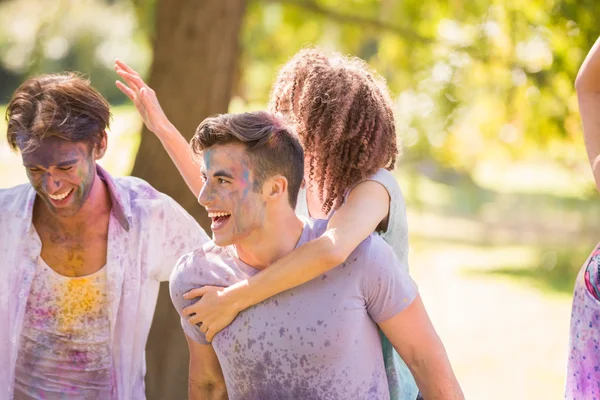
(62, 164)
(223, 173)
(66, 163)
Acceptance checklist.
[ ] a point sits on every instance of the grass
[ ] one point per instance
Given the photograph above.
(506, 338)
(554, 271)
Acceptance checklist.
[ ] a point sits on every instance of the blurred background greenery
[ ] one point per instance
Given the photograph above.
(501, 202)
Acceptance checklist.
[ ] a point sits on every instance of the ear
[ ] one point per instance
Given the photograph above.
(276, 188)
(100, 148)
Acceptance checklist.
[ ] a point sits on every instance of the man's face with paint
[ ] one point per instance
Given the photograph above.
(230, 194)
(62, 173)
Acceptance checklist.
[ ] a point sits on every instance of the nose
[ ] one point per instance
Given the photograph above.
(50, 184)
(204, 196)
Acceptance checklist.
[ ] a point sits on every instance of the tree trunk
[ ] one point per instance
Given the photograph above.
(195, 56)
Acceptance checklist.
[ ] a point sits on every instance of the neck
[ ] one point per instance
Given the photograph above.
(278, 236)
(97, 204)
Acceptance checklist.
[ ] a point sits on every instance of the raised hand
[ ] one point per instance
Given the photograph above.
(144, 98)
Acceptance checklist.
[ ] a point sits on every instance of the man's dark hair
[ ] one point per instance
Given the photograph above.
(62, 105)
(271, 146)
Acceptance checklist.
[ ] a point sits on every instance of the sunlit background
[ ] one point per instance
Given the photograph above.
(501, 202)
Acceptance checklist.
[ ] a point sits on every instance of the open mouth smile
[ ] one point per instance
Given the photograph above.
(59, 198)
(219, 219)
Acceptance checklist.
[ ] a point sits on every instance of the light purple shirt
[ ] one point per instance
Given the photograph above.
(147, 233)
(583, 370)
(316, 341)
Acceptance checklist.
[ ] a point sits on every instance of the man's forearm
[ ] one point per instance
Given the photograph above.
(205, 379)
(207, 390)
(417, 342)
(435, 378)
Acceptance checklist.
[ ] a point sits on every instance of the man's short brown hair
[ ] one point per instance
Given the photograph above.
(63, 105)
(271, 146)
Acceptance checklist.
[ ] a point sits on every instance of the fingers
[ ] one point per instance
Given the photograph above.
(197, 308)
(122, 65)
(194, 320)
(203, 328)
(198, 292)
(122, 73)
(132, 80)
(189, 310)
(210, 334)
(125, 89)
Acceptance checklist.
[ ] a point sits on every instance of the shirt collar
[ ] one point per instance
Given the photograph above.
(121, 208)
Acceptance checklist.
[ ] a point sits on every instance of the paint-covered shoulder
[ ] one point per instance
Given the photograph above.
(315, 226)
(145, 200)
(14, 199)
(203, 266)
(375, 244)
(136, 188)
(372, 250)
(185, 263)
(201, 258)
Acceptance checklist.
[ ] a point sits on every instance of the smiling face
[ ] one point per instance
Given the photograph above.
(62, 173)
(230, 194)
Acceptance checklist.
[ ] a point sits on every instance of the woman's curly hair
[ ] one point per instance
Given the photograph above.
(343, 114)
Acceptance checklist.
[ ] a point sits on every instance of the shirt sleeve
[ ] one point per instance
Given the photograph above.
(179, 283)
(387, 287)
(397, 204)
(180, 235)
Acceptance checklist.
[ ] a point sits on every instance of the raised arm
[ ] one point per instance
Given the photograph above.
(367, 205)
(587, 85)
(414, 338)
(156, 121)
(206, 380)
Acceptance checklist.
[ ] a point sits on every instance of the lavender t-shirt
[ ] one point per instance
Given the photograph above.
(316, 341)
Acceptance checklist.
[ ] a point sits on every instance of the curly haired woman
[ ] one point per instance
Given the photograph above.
(343, 114)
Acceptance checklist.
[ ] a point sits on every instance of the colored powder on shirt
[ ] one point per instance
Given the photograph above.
(318, 340)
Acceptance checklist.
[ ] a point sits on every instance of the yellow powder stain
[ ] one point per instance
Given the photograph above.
(80, 298)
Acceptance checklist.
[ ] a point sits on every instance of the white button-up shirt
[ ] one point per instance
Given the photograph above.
(147, 233)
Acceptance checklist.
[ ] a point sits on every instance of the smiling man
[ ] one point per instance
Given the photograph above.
(81, 253)
(318, 340)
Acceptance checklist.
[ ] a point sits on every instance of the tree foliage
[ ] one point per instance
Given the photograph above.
(473, 79)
